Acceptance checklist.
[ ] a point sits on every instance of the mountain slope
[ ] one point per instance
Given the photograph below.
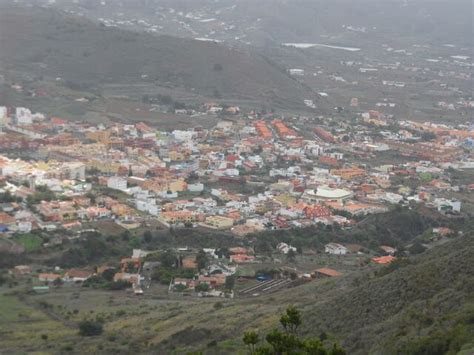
(422, 306)
(51, 43)
(426, 303)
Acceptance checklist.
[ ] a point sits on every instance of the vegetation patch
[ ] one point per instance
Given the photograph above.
(30, 242)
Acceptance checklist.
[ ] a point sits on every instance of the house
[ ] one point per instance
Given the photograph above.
(355, 248)
(285, 248)
(75, 275)
(384, 259)
(182, 282)
(242, 258)
(56, 211)
(213, 281)
(325, 273)
(134, 279)
(335, 249)
(117, 183)
(173, 217)
(443, 231)
(20, 270)
(388, 250)
(218, 222)
(238, 250)
(189, 262)
(7, 220)
(445, 206)
(48, 277)
(130, 263)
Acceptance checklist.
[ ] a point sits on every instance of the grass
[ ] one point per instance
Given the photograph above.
(22, 326)
(30, 242)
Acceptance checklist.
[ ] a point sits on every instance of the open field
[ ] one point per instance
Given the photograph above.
(23, 324)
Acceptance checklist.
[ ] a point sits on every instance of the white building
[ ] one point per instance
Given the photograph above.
(24, 226)
(183, 135)
(444, 205)
(23, 116)
(335, 249)
(324, 193)
(198, 187)
(3, 114)
(298, 72)
(117, 183)
(285, 248)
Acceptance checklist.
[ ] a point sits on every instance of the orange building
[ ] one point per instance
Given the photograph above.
(348, 173)
(283, 131)
(263, 130)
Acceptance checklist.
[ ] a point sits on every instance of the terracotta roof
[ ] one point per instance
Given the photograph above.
(384, 259)
(328, 272)
(189, 263)
(82, 274)
(50, 277)
(6, 219)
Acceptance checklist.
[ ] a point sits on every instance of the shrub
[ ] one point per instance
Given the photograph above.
(119, 285)
(202, 287)
(89, 328)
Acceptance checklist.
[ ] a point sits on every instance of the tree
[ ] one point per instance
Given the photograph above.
(108, 274)
(222, 253)
(291, 320)
(88, 328)
(134, 243)
(416, 248)
(201, 259)
(428, 136)
(287, 341)
(147, 236)
(251, 339)
(202, 287)
(291, 255)
(230, 282)
(119, 285)
(168, 259)
(58, 282)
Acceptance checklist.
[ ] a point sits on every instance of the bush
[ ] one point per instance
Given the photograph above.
(89, 328)
(202, 287)
(119, 285)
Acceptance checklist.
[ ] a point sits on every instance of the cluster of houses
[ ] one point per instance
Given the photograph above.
(244, 175)
(136, 271)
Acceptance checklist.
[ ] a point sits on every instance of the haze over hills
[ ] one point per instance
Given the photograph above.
(51, 43)
(270, 22)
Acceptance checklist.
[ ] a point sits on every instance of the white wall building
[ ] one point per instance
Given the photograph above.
(198, 187)
(117, 183)
(23, 116)
(335, 249)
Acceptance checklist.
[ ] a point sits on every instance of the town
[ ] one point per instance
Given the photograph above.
(253, 172)
(236, 177)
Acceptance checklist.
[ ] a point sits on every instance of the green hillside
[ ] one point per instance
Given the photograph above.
(422, 305)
